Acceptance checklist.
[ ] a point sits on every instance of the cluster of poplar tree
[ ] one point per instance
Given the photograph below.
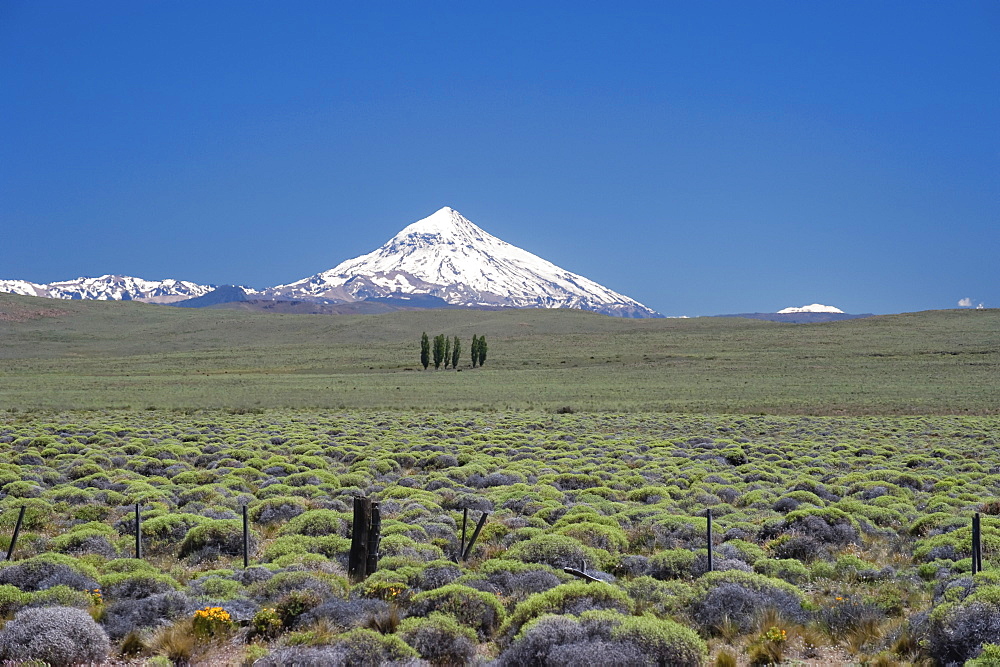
(447, 351)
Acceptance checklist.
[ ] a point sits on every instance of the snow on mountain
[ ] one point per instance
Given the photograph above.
(110, 288)
(812, 308)
(447, 256)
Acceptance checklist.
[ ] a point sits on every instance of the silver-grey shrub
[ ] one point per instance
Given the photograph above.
(56, 635)
(38, 574)
(124, 616)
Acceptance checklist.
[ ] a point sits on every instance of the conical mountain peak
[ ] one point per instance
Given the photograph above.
(444, 225)
(447, 256)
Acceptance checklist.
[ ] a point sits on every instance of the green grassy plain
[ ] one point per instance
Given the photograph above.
(97, 355)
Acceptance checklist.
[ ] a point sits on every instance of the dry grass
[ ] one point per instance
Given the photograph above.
(175, 641)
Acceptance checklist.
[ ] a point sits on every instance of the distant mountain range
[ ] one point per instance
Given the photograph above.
(443, 260)
(110, 288)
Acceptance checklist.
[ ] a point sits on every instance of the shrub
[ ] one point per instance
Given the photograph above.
(345, 614)
(136, 585)
(438, 573)
(317, 523)
(266, 624)
(958, 631)
(64, 596)
(224, 536)
(439, 639)
(847, 614)
(303, 656)
(598, 536)
(212, 622)
(330, 546)
(672, 564)
(282, 583)
(739, 598)
(662, 597)
(558, 551)
(367, 647)
(278, 509)
(48, 570)
(989, 656)
(604, 637)
(290, 607)
(539, 638)
(56, 635)
(168, 527)
(804, 548)
(122, 617)
(475, 609)
(596, 653)
(571, 598)
(519, 585)
(671, 643)
(788, 569)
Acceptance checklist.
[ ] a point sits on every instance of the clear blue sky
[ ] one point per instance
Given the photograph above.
(701, 157)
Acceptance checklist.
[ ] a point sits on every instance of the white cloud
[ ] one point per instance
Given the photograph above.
(965, 303)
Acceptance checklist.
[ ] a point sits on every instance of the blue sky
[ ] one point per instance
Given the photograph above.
(703, 158)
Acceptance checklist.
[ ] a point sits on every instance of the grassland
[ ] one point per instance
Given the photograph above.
(842, 462)
(98, 355)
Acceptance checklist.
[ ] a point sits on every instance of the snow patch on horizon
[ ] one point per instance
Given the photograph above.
(812, 308)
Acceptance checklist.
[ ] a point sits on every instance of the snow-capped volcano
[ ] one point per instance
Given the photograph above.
(111, 288)
(812, 308)
(444, 256)
(447, 256)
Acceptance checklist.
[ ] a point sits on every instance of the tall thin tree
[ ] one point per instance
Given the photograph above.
(447, 351)
(425, 351)
(438, 350)
(482, 350)
(456, 352)
(474, 350)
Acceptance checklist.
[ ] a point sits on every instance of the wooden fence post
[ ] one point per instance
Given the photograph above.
(17, 531)
(475, 536)
(358, 559)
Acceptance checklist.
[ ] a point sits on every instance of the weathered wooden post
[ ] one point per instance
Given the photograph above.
(138, 532)
(17, 531)
(475, 536)
(708, 514)
(358, 559)
(246, 538)
(374, 537)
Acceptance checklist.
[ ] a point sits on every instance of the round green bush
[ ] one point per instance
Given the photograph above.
(224, 535)
(316, 523)
(559, 551)
(671, 643)
(475, 609)
(572, 598)
(672, 564)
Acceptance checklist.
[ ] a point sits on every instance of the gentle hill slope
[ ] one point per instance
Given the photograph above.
(77, 354)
